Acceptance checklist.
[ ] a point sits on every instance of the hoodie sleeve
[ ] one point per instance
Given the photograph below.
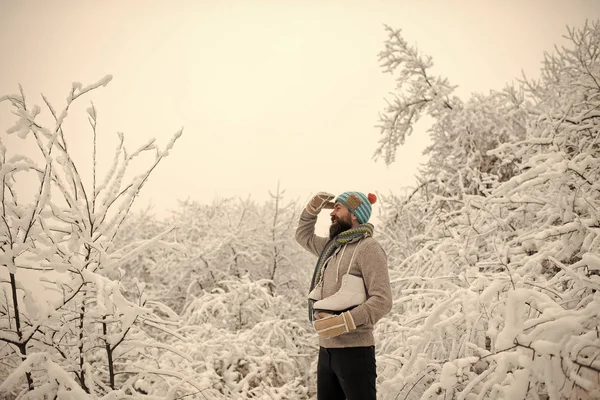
(305, 234)
(373, 264)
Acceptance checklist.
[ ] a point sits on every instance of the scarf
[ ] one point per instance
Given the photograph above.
(363, 230)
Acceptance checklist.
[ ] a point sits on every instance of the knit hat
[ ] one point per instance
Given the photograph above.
(358, 204)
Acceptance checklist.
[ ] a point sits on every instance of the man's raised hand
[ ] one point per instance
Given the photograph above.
(320, 201)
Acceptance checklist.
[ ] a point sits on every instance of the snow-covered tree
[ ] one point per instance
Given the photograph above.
(462, 132)
(496, 253)
(66, 329)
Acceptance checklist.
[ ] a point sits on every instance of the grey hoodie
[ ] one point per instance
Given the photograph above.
(370, 263)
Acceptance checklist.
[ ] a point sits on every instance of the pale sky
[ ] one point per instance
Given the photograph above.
(266, 91)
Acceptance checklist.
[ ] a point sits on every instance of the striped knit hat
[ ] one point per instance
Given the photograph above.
(358, 204)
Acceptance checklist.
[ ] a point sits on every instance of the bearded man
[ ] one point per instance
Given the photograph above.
(350, 291)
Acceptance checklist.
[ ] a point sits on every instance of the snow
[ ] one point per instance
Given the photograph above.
(591, 260)
(517, 385)
(448, 378)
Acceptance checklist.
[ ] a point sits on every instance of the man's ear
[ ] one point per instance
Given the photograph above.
(353, 218)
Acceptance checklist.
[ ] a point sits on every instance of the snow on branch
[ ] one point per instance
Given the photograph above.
(418, 92)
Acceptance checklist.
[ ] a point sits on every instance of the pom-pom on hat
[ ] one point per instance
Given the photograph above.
(358, 204)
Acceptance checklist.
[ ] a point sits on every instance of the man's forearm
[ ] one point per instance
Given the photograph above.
(305, 234)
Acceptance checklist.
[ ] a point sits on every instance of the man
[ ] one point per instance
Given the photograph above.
(346, 366)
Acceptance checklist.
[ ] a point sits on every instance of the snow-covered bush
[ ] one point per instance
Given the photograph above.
(240, 287)
(224, 240)
(249, 343)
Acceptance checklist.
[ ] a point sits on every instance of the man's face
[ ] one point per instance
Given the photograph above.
(341, 220)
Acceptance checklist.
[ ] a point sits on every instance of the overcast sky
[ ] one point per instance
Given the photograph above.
(266, 91)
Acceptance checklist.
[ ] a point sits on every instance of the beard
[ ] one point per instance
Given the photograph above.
(338, 226)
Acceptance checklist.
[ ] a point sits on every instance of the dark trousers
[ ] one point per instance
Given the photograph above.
(347, 373)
